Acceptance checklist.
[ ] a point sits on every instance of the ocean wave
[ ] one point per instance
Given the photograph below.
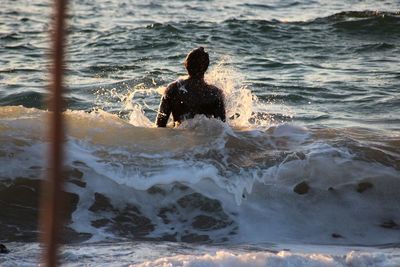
(27, 98)
(149, 254)
(21, 47)
(111, 68)
(230, 31)
(255, 23)
(168, 27)
(204, 182)
(374, 47)
(363, 14)
(10, 37)
(225, 258)
(274, 6)
(288, 98)
(362, 21)
(34, 99)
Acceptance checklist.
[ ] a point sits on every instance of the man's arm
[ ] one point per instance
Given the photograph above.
(220, 110)
(163, 112)
(165, 108)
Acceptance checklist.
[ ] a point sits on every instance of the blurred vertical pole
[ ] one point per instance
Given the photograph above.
(51, 205)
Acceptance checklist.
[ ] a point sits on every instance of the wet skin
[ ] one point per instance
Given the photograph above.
(190, 97)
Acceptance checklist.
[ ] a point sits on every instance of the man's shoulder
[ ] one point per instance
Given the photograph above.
(172, 87)
(215, 90)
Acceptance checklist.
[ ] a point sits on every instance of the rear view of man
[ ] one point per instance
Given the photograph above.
(192, 96)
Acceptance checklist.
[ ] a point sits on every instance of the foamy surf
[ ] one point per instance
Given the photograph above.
(223, 258)
(206, 182)
(140, 254)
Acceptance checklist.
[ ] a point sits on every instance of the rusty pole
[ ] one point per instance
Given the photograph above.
(51, 204)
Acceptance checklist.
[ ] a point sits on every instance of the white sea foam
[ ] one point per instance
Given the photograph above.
(147, 254)
(224, 258)
(251, 174)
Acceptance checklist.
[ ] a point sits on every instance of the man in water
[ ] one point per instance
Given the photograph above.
(192, 96)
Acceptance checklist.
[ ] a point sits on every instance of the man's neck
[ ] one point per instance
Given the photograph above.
(196, 78)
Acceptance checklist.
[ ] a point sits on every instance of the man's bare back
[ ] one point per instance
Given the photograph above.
(192, 96)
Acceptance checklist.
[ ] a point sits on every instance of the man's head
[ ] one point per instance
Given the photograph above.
(196, 62)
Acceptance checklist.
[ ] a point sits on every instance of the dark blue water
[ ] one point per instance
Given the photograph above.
(330, 63)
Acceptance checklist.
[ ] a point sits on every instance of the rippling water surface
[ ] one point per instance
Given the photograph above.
(310, 154)
(326, 62)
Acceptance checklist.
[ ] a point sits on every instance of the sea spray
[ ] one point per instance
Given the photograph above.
(238, 98)
(136, 101)
(243, 108)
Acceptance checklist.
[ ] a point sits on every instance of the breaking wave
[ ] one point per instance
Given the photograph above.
(204, 182)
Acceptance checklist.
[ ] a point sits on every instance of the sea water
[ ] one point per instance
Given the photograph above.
(306, 171)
